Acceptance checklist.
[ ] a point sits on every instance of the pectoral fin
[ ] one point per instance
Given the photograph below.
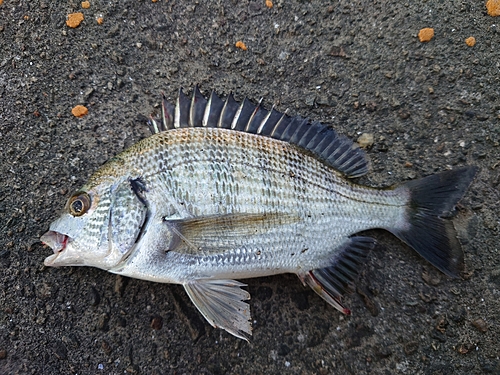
(219, 233)
(221, 303)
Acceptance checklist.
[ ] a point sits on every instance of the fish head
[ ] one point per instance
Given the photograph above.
(99, 226)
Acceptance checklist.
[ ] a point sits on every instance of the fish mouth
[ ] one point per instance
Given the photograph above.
(55, 240)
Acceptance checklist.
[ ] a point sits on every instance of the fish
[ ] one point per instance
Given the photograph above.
(223, 191)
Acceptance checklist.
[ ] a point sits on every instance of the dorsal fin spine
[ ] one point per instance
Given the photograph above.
(237, 114)
(264, 121)
(223, 112)
(249, 122)
(153, 125)
(280, 121)
(206, 115)
(167, 115)
(177, 114)
(164, 113)
(192, 107)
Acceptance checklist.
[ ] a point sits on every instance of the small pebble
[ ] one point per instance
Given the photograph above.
(338, 51)
(431, 278)
(106, 347)
(133, 369)
(71, 341)
(94, 297)
(480, 325)
(404, 114)
(120, 284)
(365, 140)
(121, 321)
(411, 347)
(103, 323)
(157, 323)
(3, 354)
(60, 350)
(310, 99)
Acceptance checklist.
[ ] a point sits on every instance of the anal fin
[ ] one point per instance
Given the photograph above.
(333, 281)
(221, 303)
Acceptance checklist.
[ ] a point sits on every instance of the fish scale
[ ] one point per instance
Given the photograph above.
(223, 191)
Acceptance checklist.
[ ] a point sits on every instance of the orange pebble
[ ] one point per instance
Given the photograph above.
(85, 4)
(239, 44)
(79, 111)
(269, 3)
(493, 7)
(470, 41)
(74, 20)
(100, 20)
(1, 2)
(426, 34)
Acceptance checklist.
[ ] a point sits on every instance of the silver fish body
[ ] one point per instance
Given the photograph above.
(206, 200)
(269, 208)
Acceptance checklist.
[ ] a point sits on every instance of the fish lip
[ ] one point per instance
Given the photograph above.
(50, 260)
(57, 241)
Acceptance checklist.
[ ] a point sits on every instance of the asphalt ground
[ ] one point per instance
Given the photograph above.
(357, 65)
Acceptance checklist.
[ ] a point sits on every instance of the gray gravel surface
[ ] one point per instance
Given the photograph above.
(355, 64)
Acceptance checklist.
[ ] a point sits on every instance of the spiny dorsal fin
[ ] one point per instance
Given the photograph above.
(322, 141)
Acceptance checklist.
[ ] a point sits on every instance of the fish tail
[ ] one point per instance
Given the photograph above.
(431, 200)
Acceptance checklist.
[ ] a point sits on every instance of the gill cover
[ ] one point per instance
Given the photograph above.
(127, 217)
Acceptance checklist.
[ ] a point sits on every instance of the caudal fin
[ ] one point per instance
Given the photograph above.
(431, 200)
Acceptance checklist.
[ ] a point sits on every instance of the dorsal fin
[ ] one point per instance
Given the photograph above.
(322, 141)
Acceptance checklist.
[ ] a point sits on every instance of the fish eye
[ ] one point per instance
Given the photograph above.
(79, 204)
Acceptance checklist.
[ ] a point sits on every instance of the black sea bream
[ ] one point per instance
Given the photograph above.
(224, 191)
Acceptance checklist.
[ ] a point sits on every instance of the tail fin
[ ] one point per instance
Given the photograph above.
(427, 231)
